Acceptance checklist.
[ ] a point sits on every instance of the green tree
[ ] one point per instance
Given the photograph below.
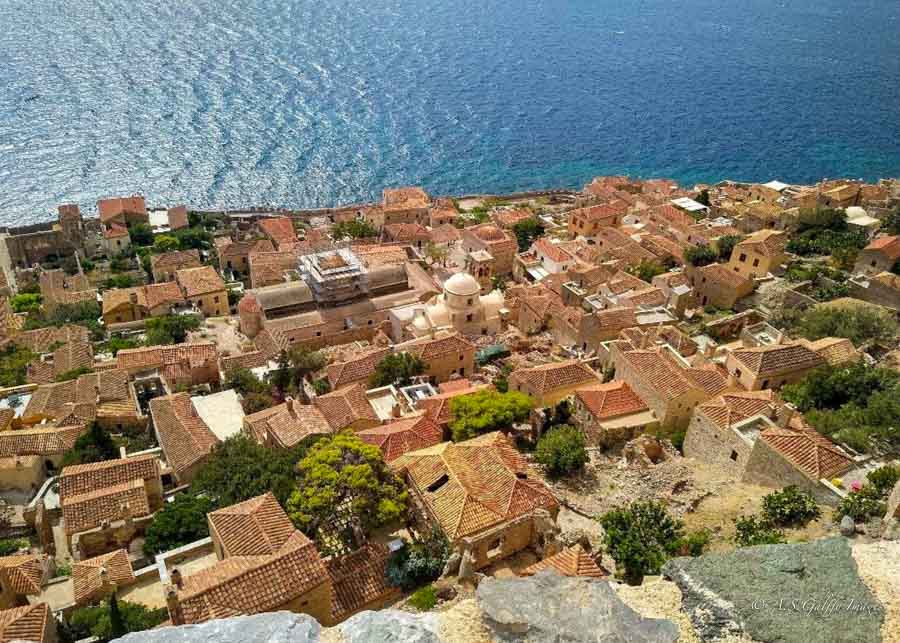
(141, 234)
(116, 343)
(859, 324)
(418, 563)
(724, 246)
(14, 362)
(750, 531)
(343, 477)
(701, 255)
(85, 622)
(85, 314)
(239, 468)
(862, 504)
(438, 254)
(397, 369)
(117, 627)
(119, 281)
(165, 243)
(646, 270)
(561, 451)
(486, 411)
(641, 537)
(170, 329)
(294, 366)
(789, 507)
(355, 229)
(94, 445)
(830, 388)
(526, 231)
(703, 197)
(178, 523)
(884, 478)
(26, 302)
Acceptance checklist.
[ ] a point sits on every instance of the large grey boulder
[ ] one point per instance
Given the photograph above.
(273, 627)
(551, 608)
(390, 626)
(785, 593)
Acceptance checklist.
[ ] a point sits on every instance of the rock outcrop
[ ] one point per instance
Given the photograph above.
(805, 592)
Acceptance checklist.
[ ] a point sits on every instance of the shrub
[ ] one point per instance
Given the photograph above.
(641, 537)
(647, 270)
(419, 562)
(63, 569)
(424, 598)
(884, 478)
(789, 507)
(397, 369)
(9, 546)
(527, 231)
(858, 324)
(561, 451)
(356, 229)
(85, 622)
(170, 329)
(701, 255)
(486, 411)
(25, 302)
(178, 523)
(694, 543)
(750, 530)
(14, 365)
(861, 505)
(95, 445)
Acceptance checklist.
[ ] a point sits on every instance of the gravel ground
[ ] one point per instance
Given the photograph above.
(879, 568)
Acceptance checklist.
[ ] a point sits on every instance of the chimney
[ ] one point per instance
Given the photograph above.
(289, 401)
(395, 411)
(132, 297)
(784, 415)
(176, 577)
(104, 579)
(173, 606)
(97, 391)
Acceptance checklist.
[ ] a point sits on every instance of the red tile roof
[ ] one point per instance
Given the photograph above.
(778, 358)
(572, 561)
(547, 378)
(22, 573)
(280, 230)
(87, 576)
(610, 399)
(359, 581)
(81, 512)
(344, 407)
(251, 528)
(199, 281)
(287, 424)
(358, 369)
(84, 478)
(402, 436)
(812, 453)
(26, 623)
(183, 435)
(888, 246)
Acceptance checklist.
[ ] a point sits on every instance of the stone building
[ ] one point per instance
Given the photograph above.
(280, 231)
(123, 210)
(548, 384)
(481, 494)
(611, 413)
(460, 307)
(184, 436)
(204, 288)
(235, 255)
(286, 425)
(21, 576)
(405, 205)
(771, 366)
(586, 222)
(97, 578)
(879, 256)
(26, 246)
(500, 244)
(403, 435)
(33, 623)
(164, 266)
(718, 286)
(125, 305)
(759, 254)
(265, 564)
(445, 356)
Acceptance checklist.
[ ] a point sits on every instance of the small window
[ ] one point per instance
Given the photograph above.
(369, 322)
(318, 333)
(215, 300)
(469, 317)
(873, 264)
(437, 484)
(495, 548)
(737, 373)
(765, 383)
(470, 301)
(461, 357)
(733, 456)
(743, 257)
(521, 475)
(755, 263)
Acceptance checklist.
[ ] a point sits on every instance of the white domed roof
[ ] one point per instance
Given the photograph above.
(463, 284)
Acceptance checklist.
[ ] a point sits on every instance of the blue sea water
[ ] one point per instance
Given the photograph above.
(316, 102)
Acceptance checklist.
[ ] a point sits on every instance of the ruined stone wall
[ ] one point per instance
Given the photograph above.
(707, 442)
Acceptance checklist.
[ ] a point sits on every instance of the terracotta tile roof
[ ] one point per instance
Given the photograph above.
(406, 232)
(719, 274)
(183, 435)
(834, 350)
(474, 485)
(108, 392)
(195, 355)
(280, 230)
(49, 399)
(490, 234)
(26, 623)
(115, 297)
(199, 281)
(358, 580)
(178, 217)
(41, 339)
(81, 512)
(609, 400)
(115, 230)
(113, 207)
(546, 378)
(459, 384)
(73, 355)
(83, 478)
(729, 409)
(87, 576)
(812, 453)
(22, 573)
(445, 233)
(377, 256)
(287, 424)
(402, 436)
(768, 243)
(344, 407)
(360, 368)
(405, 198)
(616, 318)
(551, 250)
(251, 528)
(251, 584)
(507, 217)
(660, 371)
(166, 293)
(428, 349)
(43, 441)
(603, 212)
(253, 359)
(571, 561)
(231, 249)
(777, 358)
(176, 259)
(268, 268)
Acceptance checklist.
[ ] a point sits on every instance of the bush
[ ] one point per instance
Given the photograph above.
(641, 538)
(85, 622)
(750, 530)
(418, 563)
(424, 598)
(725, 245)
(25, 302)
(118, 281)
(701, 255)
(356, 229)
(647, 270)
(862, 505)
(486, 411)
(693, 544)
(884, 478)
(527, 231)
(95, 445)
(83, 314)
(858, 324)
(170, 329)
(178, 523)
(397, 369)
(561, 451)
(789, 507)
(73, 374)
(9, 546)
(14, 365)
(63, 569)
(115, 344)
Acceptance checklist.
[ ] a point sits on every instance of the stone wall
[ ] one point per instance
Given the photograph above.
(768, 468)
(707, 442)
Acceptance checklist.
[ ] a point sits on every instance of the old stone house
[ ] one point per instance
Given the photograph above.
(164, 266)
(126, 305)
(771, 366)
(403, 435)
(879, 256)
(347, 409)
(718, 286)
(481, 494)
(499, 243)
(586, 222)
(33, 623)
(184, 436)
(95, 579)
(21, 576)
(759, 254)
(610, 413)
(286, 425)
(279, 230)
(204, 288)
(404, 205)
(444, 356)
(549, 384)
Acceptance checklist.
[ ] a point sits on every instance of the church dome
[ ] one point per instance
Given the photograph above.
(462, 284)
